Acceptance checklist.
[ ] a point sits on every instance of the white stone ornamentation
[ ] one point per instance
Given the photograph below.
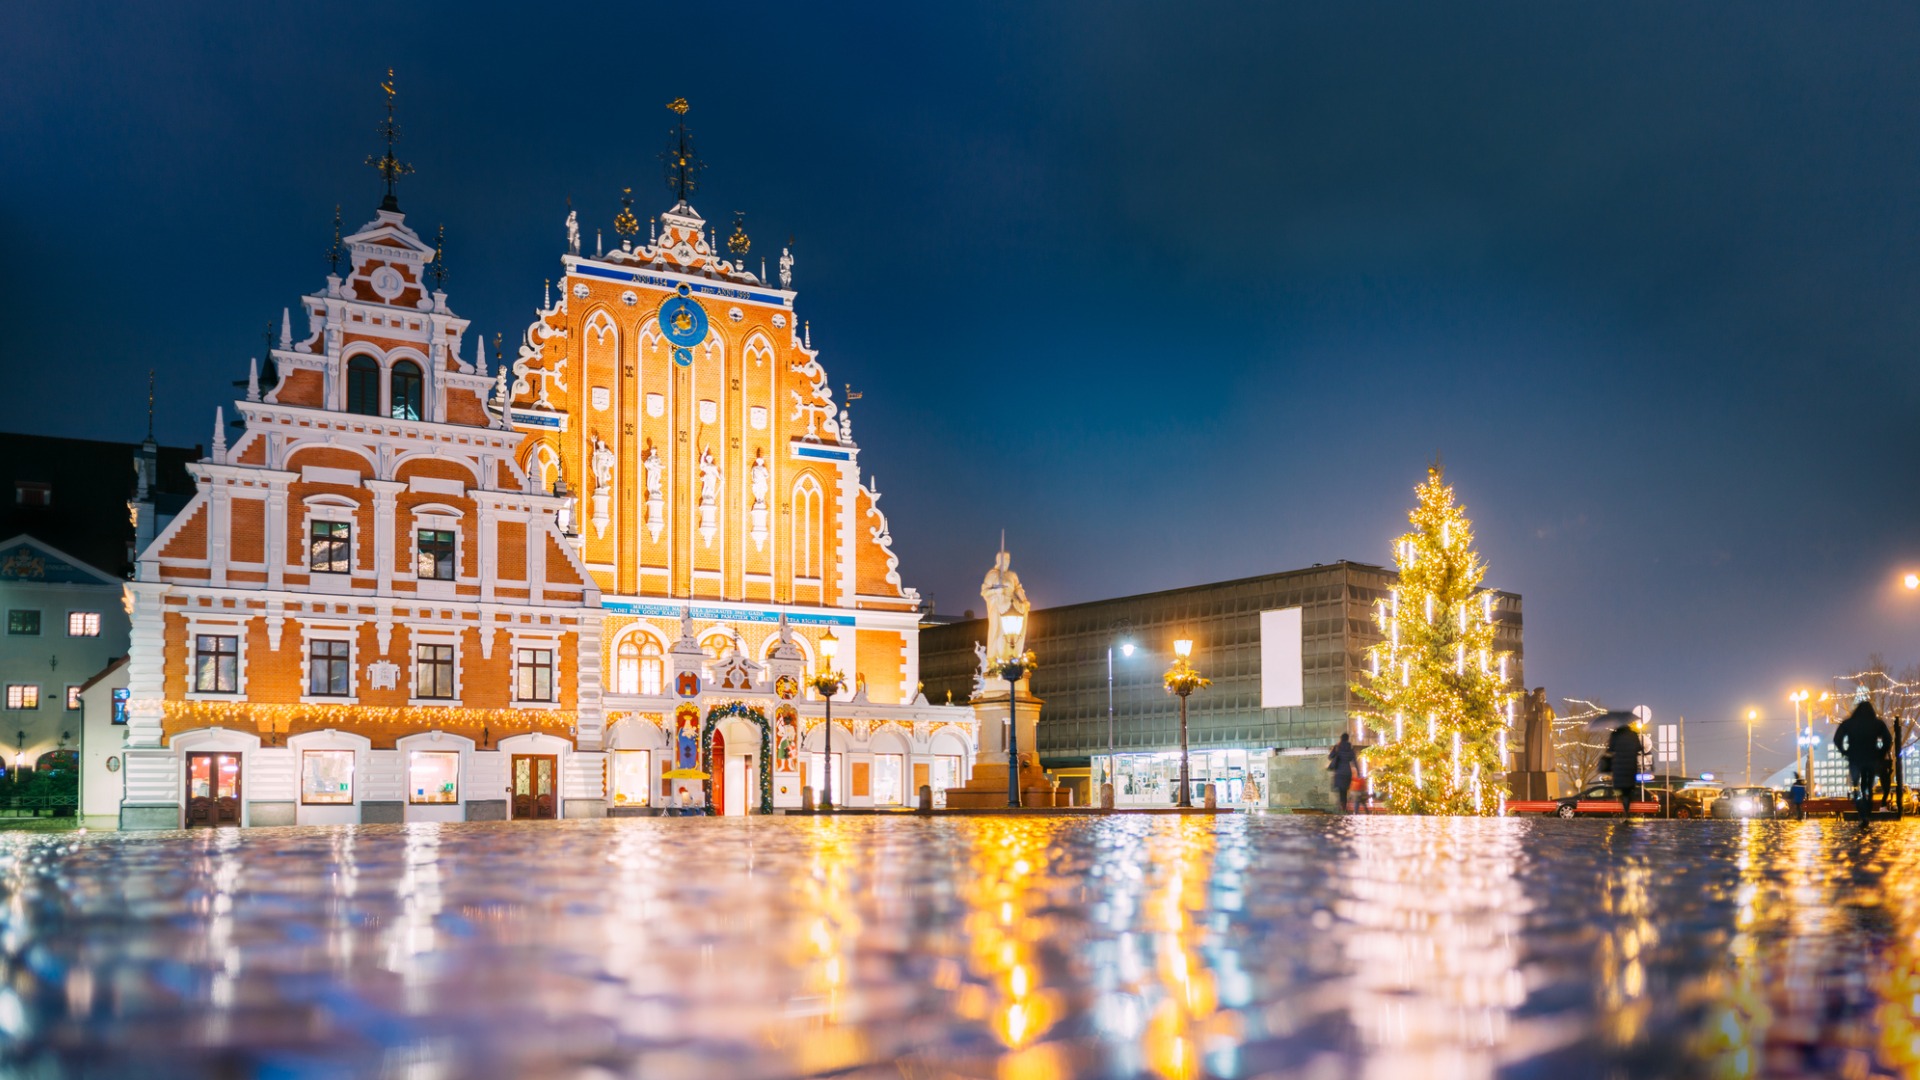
(709, 496)
(602, 467)
(655, 472)
(383, 675)
(759, 479)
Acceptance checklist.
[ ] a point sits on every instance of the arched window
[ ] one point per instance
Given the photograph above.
(363, 386)
(809, 528)
(653, 669)
(406, 395)
(626, 669)
(716, 644)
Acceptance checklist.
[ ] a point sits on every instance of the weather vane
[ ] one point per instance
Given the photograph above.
(391, 168)
(683, 168)
(333, 253)
(624, 222)
(438, 271)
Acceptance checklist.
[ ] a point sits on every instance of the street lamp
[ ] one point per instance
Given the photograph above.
(1752, 715)
(1911, 581)
(1012, 668)
(1183, 680)
(828, 682)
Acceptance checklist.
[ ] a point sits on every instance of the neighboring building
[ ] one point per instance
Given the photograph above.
(1282, 651)
(69, 510)
(409, 591)
(672, 394)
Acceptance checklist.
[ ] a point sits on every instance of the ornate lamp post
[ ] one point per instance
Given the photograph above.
(828, 682)
(1183, 680)
(1012, 668)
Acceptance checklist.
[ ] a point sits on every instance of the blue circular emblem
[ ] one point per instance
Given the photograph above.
(683, 321)
(683, 357)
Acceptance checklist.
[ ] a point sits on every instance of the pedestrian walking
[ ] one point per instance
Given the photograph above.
(1864, 740)
(1625, 746)
(1797, 797)
(1340, 761)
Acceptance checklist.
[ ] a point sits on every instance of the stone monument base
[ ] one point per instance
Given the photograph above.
(1533, 785)
(987, 789)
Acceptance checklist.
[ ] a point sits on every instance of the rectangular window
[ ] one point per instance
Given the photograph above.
(886, 779)
(23, 696)
(216, 664)
(814, 775)
(120, 698)
(535, 675)
(435, 559)
(326, 777)
(330, 548)
(433, 777)
(83, 624)
(73, 697)
(946, 772)
(32, 493)
(23, 621)
(327, 668)
(632, 777)
(433, 671)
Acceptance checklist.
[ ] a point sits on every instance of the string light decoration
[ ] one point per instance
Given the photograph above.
(483, 725)
(1422, 669)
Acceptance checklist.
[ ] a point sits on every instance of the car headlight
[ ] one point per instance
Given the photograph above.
(1743, 805)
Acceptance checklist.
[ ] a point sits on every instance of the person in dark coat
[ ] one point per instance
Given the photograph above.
(1864, 740)
(1341, 760)
(1797, 797)
(1626, 747)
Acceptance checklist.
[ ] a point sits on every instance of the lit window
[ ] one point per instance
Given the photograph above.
(535, 675)
(83, 624)
(435, 559)
(886, 779)
(433, 671)
(632, 777)
(327, 663)
(626, 668)
(326, 777)
(433, 776)
(23, 696)
(653, 669)
(23, 621)
(330, 548)
(216, 664)
(73, 696)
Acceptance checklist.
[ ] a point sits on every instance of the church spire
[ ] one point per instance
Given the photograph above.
(682, 166)
(391, 168)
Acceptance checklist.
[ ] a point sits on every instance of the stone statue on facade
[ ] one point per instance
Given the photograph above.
(1004, 596)
(601, 465)
(759, 478)
(786, 268)
(573, 232)
(709, 496)
(654, 472)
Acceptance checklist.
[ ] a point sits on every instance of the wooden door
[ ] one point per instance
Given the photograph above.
(213, 790)
(922, 777)
(535, 794)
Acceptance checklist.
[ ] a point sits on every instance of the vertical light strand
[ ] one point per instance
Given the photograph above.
(1460, 659)
(1399, 726)
(1456, 761)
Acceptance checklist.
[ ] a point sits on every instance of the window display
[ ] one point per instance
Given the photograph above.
(326, 777)
(433, 776)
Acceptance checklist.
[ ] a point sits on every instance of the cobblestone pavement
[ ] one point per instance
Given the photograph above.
(1240, 946)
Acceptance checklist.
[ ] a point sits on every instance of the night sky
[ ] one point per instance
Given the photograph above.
(1172, 292)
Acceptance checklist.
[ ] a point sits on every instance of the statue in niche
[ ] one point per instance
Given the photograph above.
(709, 478)
(653, 469)
(602, 464)
(759, 479)
(1004, 596)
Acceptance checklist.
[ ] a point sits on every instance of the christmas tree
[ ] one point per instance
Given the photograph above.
(1437, 706)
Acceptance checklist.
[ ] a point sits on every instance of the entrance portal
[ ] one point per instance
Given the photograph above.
(735, 779)
(533, 786)
(213, 790)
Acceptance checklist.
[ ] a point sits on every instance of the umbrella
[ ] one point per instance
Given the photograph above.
(684, 774)
(1611, 719)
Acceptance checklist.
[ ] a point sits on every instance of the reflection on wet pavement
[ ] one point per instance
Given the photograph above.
(1236, 946)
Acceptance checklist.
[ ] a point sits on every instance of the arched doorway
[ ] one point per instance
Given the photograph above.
(736, 753)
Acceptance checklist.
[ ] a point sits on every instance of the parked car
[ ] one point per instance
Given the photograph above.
(1682, 803)
(1748, 802)
(1601, 800)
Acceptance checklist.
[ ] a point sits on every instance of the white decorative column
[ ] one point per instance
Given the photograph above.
(276, 529)
(384, 547)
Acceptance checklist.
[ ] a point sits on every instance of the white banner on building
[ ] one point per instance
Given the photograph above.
(1282, 684)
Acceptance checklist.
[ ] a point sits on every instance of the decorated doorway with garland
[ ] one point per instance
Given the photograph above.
(764, 763)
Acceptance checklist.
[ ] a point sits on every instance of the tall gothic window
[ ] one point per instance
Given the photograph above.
(809, 528)
(363, 386)
(406, 388)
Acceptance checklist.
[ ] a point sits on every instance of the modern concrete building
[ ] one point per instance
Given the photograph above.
(1282, 650)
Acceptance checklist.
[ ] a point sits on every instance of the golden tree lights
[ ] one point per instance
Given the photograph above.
(1436, 666)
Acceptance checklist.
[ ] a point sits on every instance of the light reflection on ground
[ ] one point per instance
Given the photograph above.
(1237, 946)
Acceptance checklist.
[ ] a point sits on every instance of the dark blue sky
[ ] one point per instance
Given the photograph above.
(1174, 292)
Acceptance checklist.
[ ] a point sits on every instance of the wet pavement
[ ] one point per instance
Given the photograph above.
(1237, 946)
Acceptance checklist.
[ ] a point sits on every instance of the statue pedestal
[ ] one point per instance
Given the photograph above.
(987, 788)
(1533, 785)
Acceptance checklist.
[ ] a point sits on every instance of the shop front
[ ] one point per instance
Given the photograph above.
(1153, 778)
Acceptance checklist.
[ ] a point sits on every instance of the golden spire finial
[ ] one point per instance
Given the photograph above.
(678, 105)
(624, 222)
(391, 168)
(682, 167)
